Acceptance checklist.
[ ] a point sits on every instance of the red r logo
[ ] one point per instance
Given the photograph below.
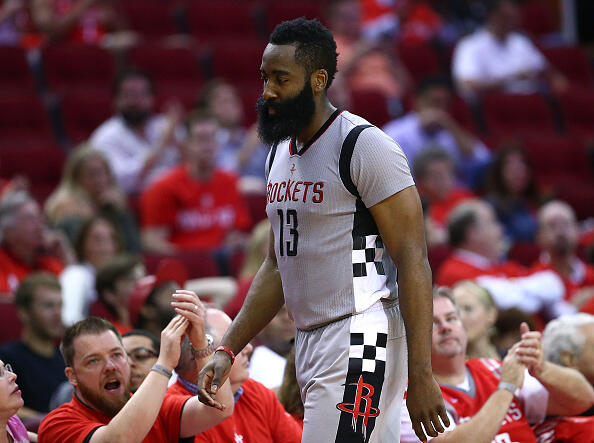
(293, 169)
(355, 408)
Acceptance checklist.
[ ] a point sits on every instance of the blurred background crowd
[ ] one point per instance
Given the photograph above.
(130, 165)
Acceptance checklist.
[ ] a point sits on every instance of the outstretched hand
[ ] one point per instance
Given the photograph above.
(425, 407)
(211, 378)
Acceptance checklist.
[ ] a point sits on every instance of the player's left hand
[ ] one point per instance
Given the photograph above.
(425, 406)
(530, 351)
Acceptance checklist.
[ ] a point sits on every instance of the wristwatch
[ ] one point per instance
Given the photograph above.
(204, 352)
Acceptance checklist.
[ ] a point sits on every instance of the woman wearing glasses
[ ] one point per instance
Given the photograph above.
(12, 429)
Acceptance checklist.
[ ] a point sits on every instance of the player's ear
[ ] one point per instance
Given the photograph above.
(319, 80)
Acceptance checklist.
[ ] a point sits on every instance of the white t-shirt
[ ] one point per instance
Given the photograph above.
(127, 151)
(267, 367)
(483, 57)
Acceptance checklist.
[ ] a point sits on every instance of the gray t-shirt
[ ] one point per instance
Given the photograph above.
(330, 256)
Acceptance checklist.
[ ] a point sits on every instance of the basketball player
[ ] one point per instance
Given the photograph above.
(345, 215)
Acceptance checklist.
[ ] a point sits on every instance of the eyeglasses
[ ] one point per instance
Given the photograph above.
(141, 354)
(4, 369)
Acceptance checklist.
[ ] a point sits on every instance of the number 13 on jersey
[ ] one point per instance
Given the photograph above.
(288, 221)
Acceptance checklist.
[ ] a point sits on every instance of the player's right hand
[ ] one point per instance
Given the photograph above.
(211, 378)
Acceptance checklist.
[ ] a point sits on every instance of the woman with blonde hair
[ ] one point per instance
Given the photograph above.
(87, 189)
(478, 314)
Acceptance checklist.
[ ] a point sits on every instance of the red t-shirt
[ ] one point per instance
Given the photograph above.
(485, 374)
(440, 210)
(455, 269)
(566, 430)
(583, 276)
(13, 271)
(199, 214)
(258, 416)
(75, 422)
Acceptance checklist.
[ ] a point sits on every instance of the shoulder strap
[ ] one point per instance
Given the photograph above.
(346, 154)
(271, 157)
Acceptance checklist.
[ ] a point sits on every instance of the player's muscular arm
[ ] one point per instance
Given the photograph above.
(263, 301)
(399, 219)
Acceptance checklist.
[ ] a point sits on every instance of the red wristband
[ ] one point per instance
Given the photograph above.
(228, 351)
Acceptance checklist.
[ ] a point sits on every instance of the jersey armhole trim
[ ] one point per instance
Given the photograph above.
(346, 155)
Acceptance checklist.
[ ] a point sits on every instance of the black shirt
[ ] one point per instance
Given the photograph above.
(37, 376)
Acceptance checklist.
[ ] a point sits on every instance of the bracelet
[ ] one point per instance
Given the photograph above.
(507, 386)
(162, 370)
(204, 352)
(228, 351)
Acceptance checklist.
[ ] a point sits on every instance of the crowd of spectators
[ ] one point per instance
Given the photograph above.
(166, 190)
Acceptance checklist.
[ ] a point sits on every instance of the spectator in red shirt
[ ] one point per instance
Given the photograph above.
(195, 205)
(258, 415)
(102, 409)
(436, 180)
(488, 400)
(26, 245)
(478, 238)
(558, 237)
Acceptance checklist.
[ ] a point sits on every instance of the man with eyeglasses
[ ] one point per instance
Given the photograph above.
(142, 348)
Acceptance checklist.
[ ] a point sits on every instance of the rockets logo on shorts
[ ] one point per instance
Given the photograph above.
(364, 380)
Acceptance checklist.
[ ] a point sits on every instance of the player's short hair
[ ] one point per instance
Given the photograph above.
(88, 326)
(25, 293)
(315, 45)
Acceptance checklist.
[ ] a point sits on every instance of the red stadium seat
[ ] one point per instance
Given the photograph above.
(152, 19)
(280, 11)
(15, 74)
(517, 115)
(578, 112)
(537, 18)
(83, 112)
(42, 165)
(420, 60)
(238, 61)
(10, 324)
(460, 111)
(78, 67)
(228, 20)
(198, 263)
(371, 105)
(175, 72)
(573, 63)
(525, 253)
(256, 204)
(437, 255)
(23, 119)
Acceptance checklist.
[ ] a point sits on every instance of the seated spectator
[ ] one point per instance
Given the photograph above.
(96, 243)
(255, 253)
(436, 181)
(488, 400)
(430, 125)
(558, 237)
(569, 341)
(289, 394)
(88, 188)
(477, 237)
(258, 416)
(241, 151)
(139, 144)
(362, 64)
(142, 348)
(498, 57)
(195, 205)
(512, 191)
(35, 357)
(11, 427)
(80, 21)
(25, 243)
(102, 408)
(478, 314)
(115, 284)
(274, 342)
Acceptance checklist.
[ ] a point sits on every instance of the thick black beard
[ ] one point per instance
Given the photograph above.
(291, 116)
(134, 117)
